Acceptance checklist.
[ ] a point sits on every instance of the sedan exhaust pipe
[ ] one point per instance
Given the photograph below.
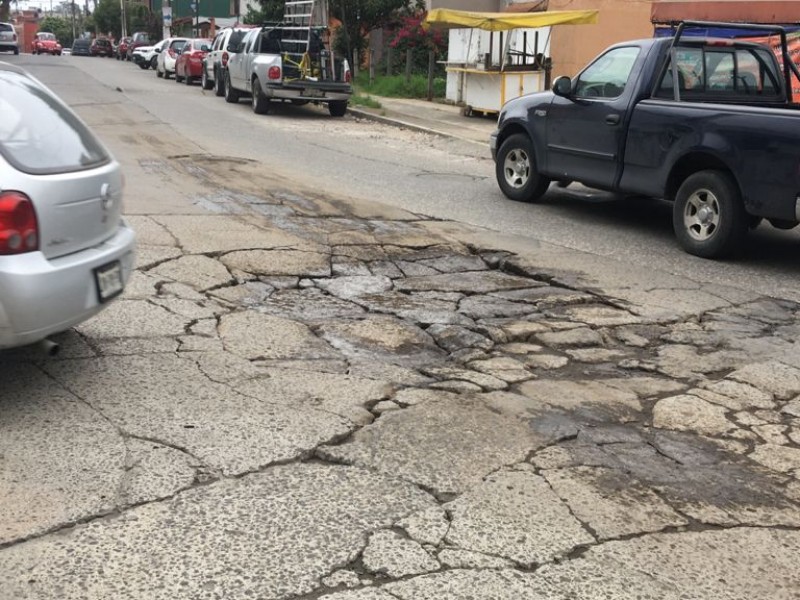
(49, 347)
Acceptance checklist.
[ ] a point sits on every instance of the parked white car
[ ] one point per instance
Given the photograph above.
(215, 63)
(65, 251)
(8, 38)
(147, 56)
(167, 55)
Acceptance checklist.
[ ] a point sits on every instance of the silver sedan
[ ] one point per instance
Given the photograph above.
(65, 251)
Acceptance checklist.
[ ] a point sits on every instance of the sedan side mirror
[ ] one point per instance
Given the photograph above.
(157, 49)
(562, 86)
(236, 48)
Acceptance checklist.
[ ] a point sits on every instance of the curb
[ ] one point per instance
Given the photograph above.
(362, 114)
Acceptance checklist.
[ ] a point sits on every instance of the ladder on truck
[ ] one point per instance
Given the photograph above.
(304, 22)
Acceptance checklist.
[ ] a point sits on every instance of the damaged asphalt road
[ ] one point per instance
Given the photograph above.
(304, 397)
(301, 398)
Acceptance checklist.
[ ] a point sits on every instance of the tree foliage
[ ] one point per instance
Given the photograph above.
(358, 18)
(108, 18)
(270, 10)
(60, 27)
(5, 10)
(411, 36)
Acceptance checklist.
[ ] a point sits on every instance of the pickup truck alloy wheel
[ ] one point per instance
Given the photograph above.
(260, 101)
(219, 83)
(231, 95)
(205, 82)
(708, 217)
(516, 172)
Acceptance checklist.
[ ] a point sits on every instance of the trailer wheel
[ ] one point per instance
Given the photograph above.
(516, 171)
(708, 216)
(260, 101)
(231, 95)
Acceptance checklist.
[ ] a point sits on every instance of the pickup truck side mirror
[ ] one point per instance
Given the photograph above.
(157, 50)
(562, 86)
(234, 48)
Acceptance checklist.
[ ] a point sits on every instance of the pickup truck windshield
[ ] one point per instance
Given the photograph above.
(607, 76)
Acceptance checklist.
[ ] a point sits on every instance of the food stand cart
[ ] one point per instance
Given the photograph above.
(494, 57)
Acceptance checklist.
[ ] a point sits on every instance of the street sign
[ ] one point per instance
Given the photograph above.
(166, 15)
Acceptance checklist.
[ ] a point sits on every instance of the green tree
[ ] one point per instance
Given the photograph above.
(270, 10)
(5, 10)
(358, 18)
(107, 17)
(60, 27)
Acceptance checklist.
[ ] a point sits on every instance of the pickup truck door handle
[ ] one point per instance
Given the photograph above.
(612, 119)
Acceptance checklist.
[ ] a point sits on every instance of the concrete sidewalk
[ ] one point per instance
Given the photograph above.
(430, 117)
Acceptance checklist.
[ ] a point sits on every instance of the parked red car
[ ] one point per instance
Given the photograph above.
(46, 43)
(101, 47)
(189, 64)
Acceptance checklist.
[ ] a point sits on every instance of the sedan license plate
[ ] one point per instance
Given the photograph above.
(109, 281)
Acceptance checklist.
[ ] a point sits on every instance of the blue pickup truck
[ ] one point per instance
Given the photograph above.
(707, 123)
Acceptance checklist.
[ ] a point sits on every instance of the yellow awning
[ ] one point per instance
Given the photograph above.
(445, 18)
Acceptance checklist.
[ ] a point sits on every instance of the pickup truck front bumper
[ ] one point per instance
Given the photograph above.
(493, 144)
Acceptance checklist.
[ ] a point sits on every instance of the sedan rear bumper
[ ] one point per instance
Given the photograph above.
(40, 297)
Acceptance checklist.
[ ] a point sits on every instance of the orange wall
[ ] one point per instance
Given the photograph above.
(573, 46)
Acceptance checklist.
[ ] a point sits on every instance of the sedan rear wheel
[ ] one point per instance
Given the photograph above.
(159, 73)
(516, 172)
(205, 83)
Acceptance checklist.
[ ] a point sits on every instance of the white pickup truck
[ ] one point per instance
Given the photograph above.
(267, 66)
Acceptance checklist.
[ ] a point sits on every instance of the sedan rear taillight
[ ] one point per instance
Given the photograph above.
(274, 73)
(19, 231)
(224, 59)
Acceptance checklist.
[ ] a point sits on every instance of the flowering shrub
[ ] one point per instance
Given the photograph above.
(412, 35)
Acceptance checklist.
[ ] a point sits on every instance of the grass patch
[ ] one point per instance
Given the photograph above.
(368, 101)
(396, 86)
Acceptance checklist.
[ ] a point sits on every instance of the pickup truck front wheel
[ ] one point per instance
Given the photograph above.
(708, 216)
(516, 170)
(231, 94)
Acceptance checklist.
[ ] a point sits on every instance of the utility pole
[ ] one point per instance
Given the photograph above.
(123, 18)
(196, 18)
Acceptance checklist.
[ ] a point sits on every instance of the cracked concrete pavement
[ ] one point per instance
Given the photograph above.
(304, 397)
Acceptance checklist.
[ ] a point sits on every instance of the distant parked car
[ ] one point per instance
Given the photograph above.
(65, 251)
(46, 43)
(8, 38)
(138, 39)
(80, 47)
(216, 62)
(101, 47)
(165, 65)
(143, 56)
(122, 48)
(189, 65)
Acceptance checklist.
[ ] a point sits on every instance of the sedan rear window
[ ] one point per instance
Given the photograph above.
(38, 134)
(6, 27)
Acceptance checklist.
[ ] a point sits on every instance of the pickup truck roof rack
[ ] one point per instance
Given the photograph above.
(789, 66)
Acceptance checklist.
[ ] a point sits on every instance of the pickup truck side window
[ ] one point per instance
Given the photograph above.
(607, 76)
(714, 73)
